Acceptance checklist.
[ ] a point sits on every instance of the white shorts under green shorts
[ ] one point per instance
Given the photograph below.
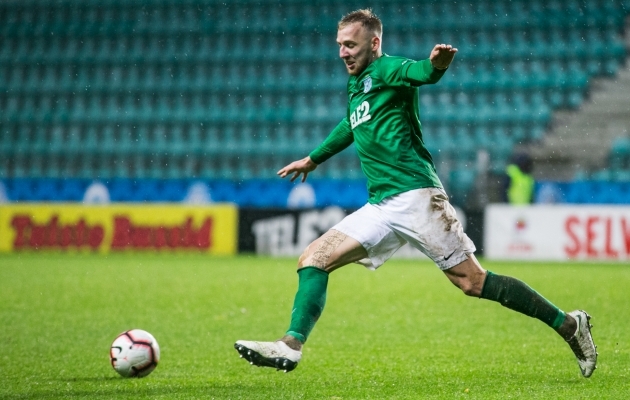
(422, 217)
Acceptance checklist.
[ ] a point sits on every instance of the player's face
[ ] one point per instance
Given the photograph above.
(357, 47)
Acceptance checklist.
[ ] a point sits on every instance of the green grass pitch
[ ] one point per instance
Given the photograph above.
(403, 332)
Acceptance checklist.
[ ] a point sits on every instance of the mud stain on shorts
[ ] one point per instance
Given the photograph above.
(448, 219)
(439, 204)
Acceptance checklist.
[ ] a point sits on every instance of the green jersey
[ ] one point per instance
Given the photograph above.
(382, 120)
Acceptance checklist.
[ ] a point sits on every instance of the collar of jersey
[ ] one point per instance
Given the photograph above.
(355, 79)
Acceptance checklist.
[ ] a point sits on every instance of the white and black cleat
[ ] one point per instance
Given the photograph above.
(269, 354)
(582, 343)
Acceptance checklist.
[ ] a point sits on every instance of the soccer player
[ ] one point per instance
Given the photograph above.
(406, 200)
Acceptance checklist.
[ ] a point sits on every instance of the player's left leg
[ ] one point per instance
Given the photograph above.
(516, 295)
(512, 293)
(438, 233)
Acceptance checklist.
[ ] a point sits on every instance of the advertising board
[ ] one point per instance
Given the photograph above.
(118, 227)
(286, 233)
(555, 232)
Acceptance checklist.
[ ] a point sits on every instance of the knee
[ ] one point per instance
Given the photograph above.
(470, 289)
(321, 253)
(472, 285)
(303, 257)
(306, 258)
(468, 276)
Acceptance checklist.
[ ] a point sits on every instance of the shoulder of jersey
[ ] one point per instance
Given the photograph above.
(396, 60)
(390, 63)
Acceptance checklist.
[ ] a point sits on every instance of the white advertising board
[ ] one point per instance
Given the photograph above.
(554, 232)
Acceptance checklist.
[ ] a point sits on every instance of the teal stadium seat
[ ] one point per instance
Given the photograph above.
(89, 83)
(621, 175)
(461, 182)
(85, 165)
(619, 157)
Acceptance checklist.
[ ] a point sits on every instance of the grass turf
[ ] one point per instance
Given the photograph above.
(402, 332)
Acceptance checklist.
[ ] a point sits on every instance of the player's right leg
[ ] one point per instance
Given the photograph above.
(332, 250)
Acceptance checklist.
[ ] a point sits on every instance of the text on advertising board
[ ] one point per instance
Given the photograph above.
(118, 227)
(593, 236)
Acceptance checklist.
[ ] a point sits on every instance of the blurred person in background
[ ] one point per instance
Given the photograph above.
(519, 182)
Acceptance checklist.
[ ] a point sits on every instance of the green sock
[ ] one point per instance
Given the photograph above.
(517, 296)
(309, 302)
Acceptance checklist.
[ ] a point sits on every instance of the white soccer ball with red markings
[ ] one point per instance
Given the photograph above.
(134, 353)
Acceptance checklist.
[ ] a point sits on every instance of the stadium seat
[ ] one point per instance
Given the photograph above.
(619, 157)
(176, 90)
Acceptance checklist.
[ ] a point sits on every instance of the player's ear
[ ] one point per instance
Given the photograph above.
(376, 43)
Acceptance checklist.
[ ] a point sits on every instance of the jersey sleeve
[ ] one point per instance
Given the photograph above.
(340, 138)
(407, 72)
(421, 72)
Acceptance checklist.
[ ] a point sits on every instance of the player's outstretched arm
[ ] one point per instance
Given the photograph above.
(430, 70)
(297, 168)
(442, 55)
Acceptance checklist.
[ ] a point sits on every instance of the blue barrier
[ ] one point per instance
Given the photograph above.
(256, 193)
(584, 192)
(271, 193)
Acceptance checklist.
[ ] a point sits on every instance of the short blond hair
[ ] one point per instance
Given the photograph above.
(366, 18)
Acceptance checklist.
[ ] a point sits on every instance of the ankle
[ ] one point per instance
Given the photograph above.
(292, 342)
(568, 328)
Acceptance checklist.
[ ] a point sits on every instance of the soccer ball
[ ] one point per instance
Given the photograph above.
(134, 353)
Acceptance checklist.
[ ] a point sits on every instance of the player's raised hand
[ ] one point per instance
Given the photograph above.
(303, 166)
(442, 55)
